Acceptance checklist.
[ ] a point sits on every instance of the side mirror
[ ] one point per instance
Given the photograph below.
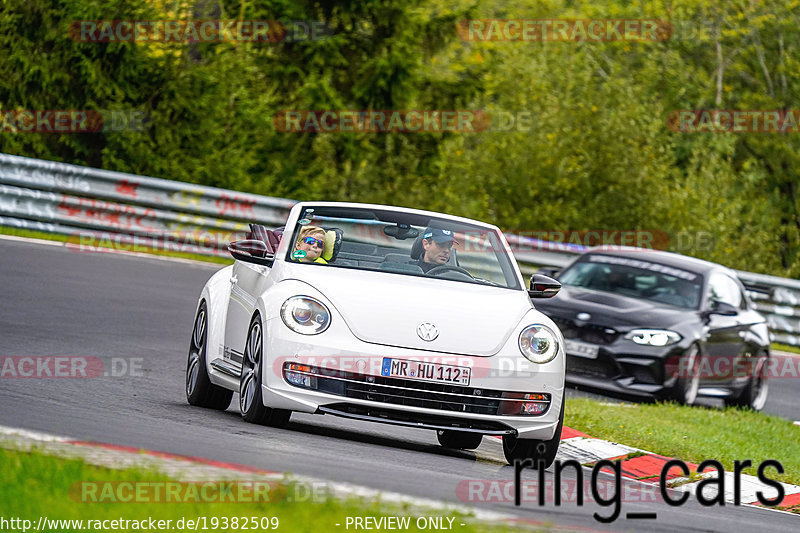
(543, 286)
(550, 271)
(251, 251)
(722, 308)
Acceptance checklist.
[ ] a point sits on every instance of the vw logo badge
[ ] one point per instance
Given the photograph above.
(427, 331)
(584, 316)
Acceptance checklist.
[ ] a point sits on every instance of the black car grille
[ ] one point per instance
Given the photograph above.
(598, 368)
(422, 394)
(648, 374)
(413, 393)
(585, 332)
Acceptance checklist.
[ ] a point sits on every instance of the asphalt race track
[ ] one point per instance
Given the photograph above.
(140, 310)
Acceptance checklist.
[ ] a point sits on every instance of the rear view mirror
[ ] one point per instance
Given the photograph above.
(543, 286)
(401, 231)
(722, 308)
(251, 251)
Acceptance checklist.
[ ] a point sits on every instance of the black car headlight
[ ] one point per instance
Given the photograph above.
(653, 337)
(538, 343)
(303, 314)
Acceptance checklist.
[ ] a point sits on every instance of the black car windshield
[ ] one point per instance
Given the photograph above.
(392, 242)
(636, 278)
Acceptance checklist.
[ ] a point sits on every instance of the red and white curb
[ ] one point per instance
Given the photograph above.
(646, 468)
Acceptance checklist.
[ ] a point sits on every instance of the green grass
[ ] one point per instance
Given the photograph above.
(784, 347)
(5, 230)
(35, 484)
(694, 433)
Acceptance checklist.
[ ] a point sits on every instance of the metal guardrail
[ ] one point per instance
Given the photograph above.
(71, 200)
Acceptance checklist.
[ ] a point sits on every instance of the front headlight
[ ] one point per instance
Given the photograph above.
(538, 343)
(653, 337)
(305, 315)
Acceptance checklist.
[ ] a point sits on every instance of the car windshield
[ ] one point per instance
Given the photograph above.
(637, 279)
(395, 242)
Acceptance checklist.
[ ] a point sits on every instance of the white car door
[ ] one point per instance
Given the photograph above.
(247, 282)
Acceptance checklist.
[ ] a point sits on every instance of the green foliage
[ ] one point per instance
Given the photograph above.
(596, 152)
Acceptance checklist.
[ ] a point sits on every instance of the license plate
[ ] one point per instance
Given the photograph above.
(581, 349)
(403, 368)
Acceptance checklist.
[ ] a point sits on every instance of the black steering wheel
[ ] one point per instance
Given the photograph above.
(435, 271)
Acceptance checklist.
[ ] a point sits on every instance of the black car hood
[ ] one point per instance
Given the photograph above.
(612, 310)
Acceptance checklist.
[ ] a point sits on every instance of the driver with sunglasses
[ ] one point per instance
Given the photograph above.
(437, 244)
(311, 241)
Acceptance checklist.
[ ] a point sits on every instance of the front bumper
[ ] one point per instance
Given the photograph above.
(625, 367)
(620, 366)
(367, 395)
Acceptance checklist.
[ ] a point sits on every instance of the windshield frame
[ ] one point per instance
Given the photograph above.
(381, 216)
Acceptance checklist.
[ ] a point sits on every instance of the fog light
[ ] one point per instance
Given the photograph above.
(297, 375)
(533, 408)
(524, 403)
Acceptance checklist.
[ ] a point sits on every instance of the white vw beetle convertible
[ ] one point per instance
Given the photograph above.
(384, 314)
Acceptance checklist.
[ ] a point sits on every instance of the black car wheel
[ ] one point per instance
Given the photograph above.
(540, 451)
(688, 383)
(459, 440)
(251, 403)
(199, 389)
(754, 395)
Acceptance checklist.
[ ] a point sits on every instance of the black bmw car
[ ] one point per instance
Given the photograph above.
(658, 324)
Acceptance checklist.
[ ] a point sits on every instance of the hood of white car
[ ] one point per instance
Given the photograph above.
(397, 310)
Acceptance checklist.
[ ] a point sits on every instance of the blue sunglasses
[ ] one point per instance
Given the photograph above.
(313, 241)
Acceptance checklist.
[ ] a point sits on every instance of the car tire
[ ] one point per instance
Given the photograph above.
(199, 389)
(251, 402)
(539, 451)
(685, 389)
(459, 440)
(754, 395)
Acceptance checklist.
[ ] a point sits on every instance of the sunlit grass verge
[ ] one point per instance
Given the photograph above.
(693, 433)
(784, 347)
(16, 232)
(37, 485)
